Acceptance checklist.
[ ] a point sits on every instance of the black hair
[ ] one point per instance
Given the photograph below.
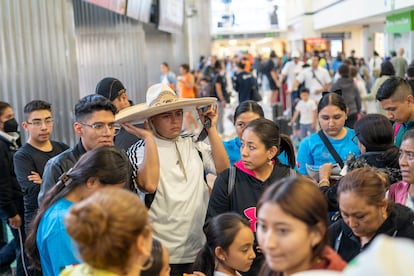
(310, 207)
(108, 164)
(186, 67)
(157, 263)
(241, 65)
(220, 231)
(304, 90)
(343, 71)
(248, 106)
(332, 98)
(410, 71)
(91, 103)
(3, 106)
(394, 87)
(218, 65)
(375, 132)
(36, 105)
(387, 69)
(269, 134)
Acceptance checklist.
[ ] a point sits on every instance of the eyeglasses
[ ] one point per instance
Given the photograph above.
(355, 139)
(100, 126)
(39, 123)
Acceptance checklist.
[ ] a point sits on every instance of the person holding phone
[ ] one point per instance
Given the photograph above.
(178, 200)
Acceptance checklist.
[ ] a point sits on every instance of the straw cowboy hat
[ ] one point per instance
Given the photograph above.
(160, 98)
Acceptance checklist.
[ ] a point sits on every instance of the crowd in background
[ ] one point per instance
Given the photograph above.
(354, 123)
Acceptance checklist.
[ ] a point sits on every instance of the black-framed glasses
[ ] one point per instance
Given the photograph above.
(355, 139)
(99, 126)
(39, 123)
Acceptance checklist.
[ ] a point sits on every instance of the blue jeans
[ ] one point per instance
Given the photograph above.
(304, 129)
(13, 247)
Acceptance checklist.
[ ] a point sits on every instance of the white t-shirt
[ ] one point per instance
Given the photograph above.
(311, 77)
(291, 70)
(306, 110)
(179, 208)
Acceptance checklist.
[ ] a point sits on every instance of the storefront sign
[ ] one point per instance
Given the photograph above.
(336, 36)
(402, 22)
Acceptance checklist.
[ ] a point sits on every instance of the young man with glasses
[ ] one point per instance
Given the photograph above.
(31, 158)
(96, 127)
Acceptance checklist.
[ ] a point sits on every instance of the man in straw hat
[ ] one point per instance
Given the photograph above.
(179, 205)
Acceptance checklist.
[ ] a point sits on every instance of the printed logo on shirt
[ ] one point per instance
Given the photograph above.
(250, 213)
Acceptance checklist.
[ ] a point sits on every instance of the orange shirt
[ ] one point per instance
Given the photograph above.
(186, 92)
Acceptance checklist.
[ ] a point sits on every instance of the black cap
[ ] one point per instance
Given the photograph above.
(110, 88)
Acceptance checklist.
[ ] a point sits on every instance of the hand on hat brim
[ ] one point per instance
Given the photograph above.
(142, 133)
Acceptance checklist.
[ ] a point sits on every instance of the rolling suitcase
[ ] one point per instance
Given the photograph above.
(284, 125)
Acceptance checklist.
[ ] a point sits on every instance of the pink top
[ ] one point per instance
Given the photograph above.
(398, 192)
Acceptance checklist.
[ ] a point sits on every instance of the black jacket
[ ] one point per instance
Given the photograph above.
(245, 194)
(400, 223)
(57, 165)
(386, 161)
(11, 196)
(243, 199)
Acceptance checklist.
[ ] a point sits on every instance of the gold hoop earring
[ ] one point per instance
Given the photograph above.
(148, 263)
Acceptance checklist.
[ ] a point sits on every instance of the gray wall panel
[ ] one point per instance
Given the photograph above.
(35, 59)
(109, 44)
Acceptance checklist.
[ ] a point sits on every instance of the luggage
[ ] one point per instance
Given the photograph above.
(284, 126)
(277, 110)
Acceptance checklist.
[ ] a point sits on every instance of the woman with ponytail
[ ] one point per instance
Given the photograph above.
(228, 249)
(239, 188)
(48, 245)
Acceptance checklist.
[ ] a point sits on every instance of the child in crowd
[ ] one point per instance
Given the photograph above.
(306, 107)
(161, 261)
(229, 246)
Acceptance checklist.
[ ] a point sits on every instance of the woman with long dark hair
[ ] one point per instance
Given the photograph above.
(48, 245)
(239, 188)
(292, 229)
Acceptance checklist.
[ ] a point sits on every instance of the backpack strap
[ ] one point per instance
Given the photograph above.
(232, 180)
(331, 149)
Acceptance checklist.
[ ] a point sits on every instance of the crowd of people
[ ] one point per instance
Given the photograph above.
(152, 188)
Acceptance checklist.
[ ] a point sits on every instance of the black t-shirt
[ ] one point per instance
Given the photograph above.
(223, 83)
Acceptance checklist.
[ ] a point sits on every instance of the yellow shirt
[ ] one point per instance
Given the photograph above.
(85, 270)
